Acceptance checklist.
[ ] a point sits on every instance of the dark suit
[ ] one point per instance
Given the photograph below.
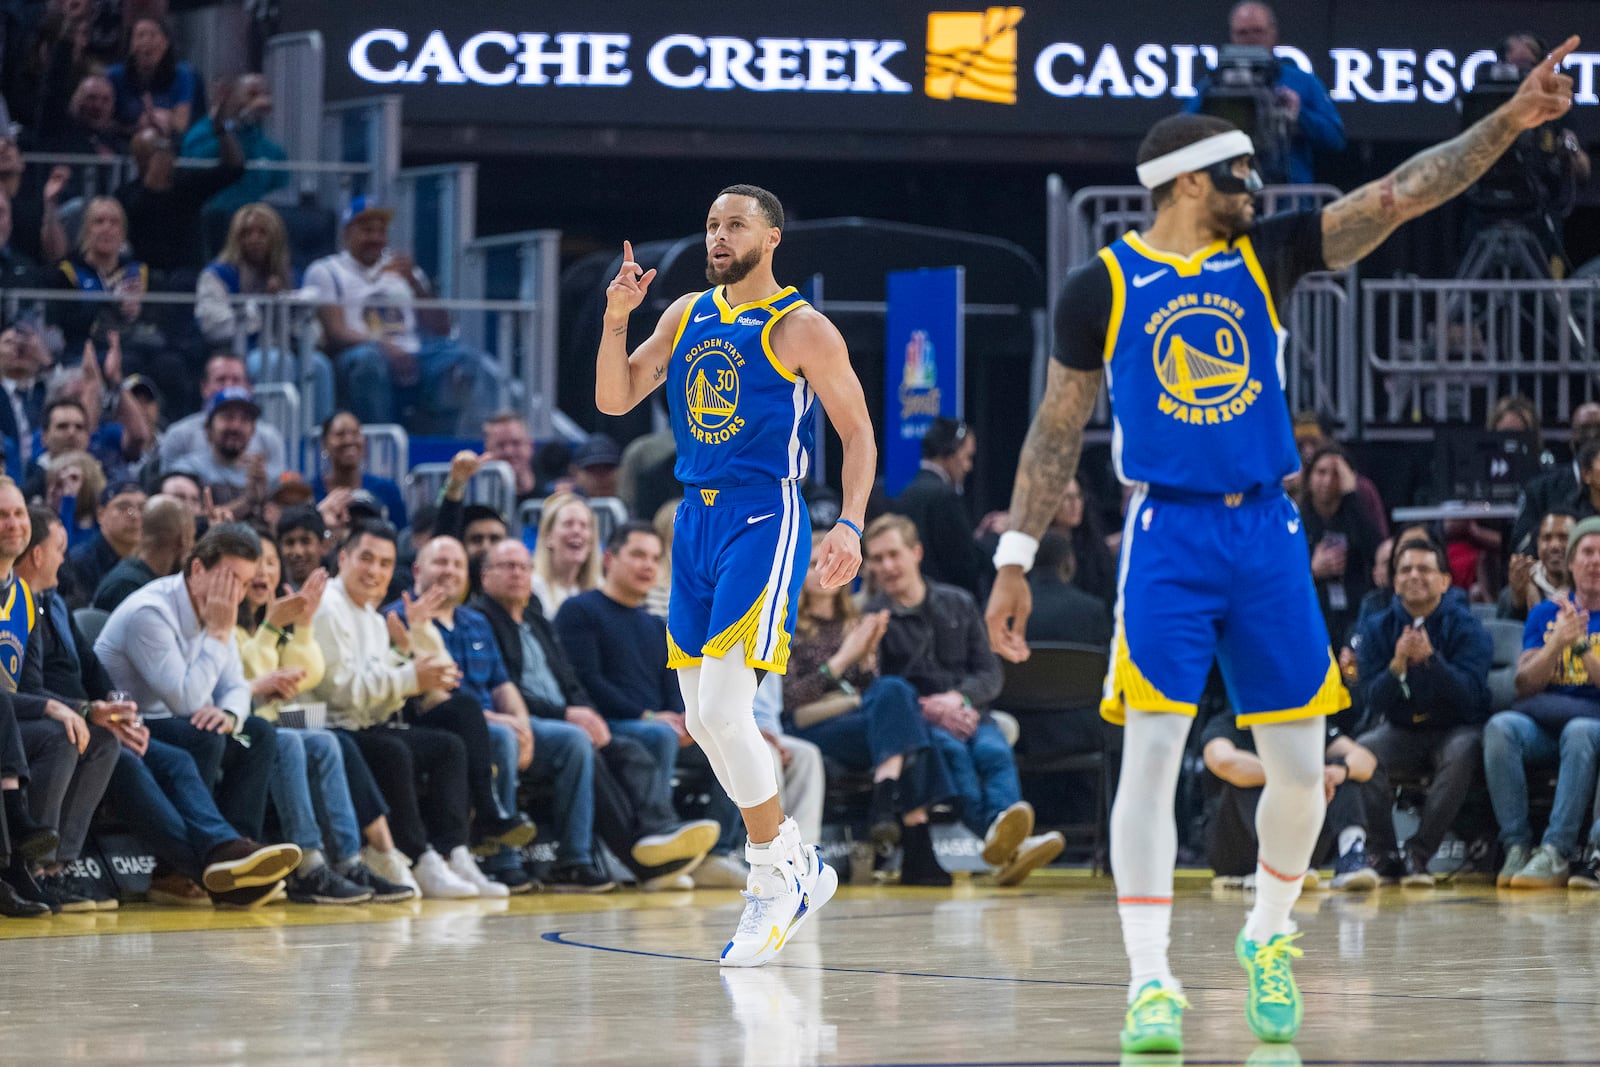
(1556, 488)
(949, 553)
(1063, 612)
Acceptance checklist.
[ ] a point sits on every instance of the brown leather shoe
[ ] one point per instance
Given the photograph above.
(176, 891)
(245, 864)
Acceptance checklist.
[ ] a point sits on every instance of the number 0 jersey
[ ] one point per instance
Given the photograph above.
(739, 417)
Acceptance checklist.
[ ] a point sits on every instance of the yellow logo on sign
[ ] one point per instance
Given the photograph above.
(973, 55)
(709, 496)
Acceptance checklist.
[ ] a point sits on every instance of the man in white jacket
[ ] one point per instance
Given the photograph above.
(374, 666)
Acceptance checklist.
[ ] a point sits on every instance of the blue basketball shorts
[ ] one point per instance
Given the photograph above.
(739, 558)
(1225, 580)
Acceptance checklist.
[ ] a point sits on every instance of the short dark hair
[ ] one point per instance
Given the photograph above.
(620, 535)
(943, 438)
(301, 517)
(1175, 132)
(1055, 557)
(771, 208)
(1417, 544)
(327, 423)
(382, 529)
(231, 540)
(40, 518)
(181, 472)
(1587, 451)
(63, 402)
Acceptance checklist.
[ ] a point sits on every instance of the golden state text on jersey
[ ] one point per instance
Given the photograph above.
(1194, 364)
(739, 417)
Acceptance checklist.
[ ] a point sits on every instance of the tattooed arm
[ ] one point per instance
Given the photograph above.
(621, 380)
(1354, 225)
(1049, 460)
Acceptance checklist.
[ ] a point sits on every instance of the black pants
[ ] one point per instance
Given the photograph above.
(67, 785)
(237, 773)
(625, 807)
(1452, 756)
(13, 757)
(1231, 843)
(463, 716)
(422, 773)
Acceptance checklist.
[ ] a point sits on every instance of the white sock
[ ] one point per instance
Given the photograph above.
(1146, 933)
(310, 860)
(1275, 897)
(1351, 837)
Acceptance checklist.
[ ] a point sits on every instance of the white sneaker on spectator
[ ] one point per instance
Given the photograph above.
(391, 866)
(465, 867)
(722, 872)
(438, 882)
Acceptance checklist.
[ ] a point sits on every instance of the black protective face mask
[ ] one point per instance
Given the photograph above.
(1225, 181)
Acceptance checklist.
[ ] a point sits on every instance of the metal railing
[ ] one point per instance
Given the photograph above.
(102, 175)
(494, 485)
(1446, 350)
(609, 513)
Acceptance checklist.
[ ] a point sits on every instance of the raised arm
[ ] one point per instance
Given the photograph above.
(1354, 225)
(1049, 460)
(622, 380)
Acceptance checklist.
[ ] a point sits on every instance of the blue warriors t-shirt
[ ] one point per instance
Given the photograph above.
(739, 417)
(1571, 676)
(1192, 348)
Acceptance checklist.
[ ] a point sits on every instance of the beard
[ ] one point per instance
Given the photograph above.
(1231, 214)
(230, 449)
(735, 272)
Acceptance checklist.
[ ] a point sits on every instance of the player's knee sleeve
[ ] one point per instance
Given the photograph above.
(1291, 753)
(727, 694)
(689, 686)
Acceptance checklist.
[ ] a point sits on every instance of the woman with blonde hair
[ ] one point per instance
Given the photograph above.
(566, 561)
(834, 697)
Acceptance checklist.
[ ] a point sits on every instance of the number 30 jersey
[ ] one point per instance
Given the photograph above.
(739, 417)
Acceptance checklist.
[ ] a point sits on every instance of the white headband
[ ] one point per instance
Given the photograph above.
(1198, 156)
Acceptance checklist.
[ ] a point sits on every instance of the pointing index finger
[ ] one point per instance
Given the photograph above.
(627, 251)
(1554, 60)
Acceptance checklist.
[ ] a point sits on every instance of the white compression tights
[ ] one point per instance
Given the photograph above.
(1288, 819)
(717, 700)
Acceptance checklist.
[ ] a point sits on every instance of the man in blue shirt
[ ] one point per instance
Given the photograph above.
(1314, 124)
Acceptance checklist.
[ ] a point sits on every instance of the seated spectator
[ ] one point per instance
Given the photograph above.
(154, 88)
(281, 660)
(118, 433)
(36, 229)
(68, 761)
(631, 813)
(73, 485)
(660, 597)
(645, 478)
(594, 467)
(1544, 576)
(235, 478)
(345, 450)
(203, 141)
(1555, 722)
(1229, 752)
(1424, 669)
(372, 666)
(156, 787)
(100, 265)
(506, 437)
(170, 646)
(1515, 413)
(370, 331)
(1556, 488)
(17, 268)
(545, 749)
(163, 202)
(1311, 435)
(567, 559)
(484, 527)
(834, 697)
(64, 429)
(797, 763)
(1382, 591)
(956, 676)
(91, 127)
(184, 486)
(1062, 611)
(72, 40)
(303, 538)
(1342, 537)
(166, 535)
(23, 362)
(20, 895)
(188, 438)
(115, 537)
(935, 504)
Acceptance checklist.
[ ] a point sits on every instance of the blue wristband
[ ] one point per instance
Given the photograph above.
(847, 522)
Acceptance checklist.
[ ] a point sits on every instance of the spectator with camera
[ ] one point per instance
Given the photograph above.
(1424, 668)
(1342, 537)
(1301, 102)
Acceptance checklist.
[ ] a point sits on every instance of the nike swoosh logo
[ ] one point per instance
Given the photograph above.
(707, 315)
(1294, 525)
(1142, 280)
(477, 646)
(752, 520)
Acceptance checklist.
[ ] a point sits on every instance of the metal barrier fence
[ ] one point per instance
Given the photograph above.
(609, 513)
(494, 484)
(1448, 350)
(102, 175)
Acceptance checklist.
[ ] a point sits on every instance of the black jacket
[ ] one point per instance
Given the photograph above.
(949, 553)
(1063, 612)
(1450, 688)
(940, 645)
(507, 637)
(1552, 489)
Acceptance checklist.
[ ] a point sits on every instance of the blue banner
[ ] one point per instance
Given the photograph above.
(923, 364)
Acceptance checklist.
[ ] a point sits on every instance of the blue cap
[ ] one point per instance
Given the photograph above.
(364, 205)
(233, 394)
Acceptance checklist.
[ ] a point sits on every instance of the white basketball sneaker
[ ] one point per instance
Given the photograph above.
(788, 881)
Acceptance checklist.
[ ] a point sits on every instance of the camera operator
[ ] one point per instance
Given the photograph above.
(1301, 103)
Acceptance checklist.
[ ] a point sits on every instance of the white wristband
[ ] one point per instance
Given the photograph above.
(1016, 549)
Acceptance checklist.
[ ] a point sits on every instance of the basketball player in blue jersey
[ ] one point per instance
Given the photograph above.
(744, 362)
(1183, 324)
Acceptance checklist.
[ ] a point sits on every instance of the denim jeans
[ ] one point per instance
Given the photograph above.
(309, 782)
(244, 770)
(168, 807)
(662, 742)
(1512, 742)
(888, 723)
(503, 753)
(983, 772)
(453, 392)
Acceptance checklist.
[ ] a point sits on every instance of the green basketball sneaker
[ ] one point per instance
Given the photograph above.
(1154, 1022)
(1273, 1008)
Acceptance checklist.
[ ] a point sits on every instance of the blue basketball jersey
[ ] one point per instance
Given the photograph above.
(1194, 365)
(739, 417)
(16, 620)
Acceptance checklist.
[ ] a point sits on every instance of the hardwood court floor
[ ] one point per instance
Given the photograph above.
(972, 975)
